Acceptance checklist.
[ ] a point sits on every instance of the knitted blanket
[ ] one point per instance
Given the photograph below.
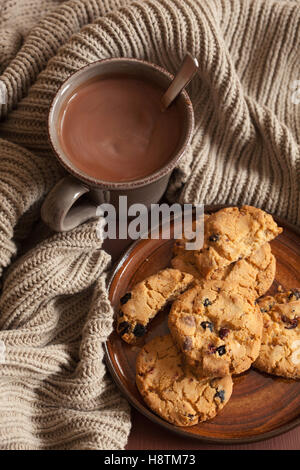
(55, 392)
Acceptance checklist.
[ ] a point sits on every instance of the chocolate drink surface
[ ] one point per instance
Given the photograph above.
(113, 128)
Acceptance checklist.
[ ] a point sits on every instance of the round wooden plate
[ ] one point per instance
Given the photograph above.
(262, 406)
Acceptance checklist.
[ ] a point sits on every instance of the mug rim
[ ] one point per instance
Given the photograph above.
(123, 185)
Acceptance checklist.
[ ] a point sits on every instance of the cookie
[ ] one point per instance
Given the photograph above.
(185, 261)
(179, 246)
(232, 234)
(255, 273)
(172, 391)
(145, 300)
(217, 328)
(280, 347)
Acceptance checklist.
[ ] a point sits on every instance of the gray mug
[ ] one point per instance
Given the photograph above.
(59, 210)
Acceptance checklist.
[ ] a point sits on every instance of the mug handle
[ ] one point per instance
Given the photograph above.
(57, 210)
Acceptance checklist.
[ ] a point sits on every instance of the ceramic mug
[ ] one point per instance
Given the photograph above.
(64, 207)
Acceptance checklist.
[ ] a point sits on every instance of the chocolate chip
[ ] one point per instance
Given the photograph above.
(189, 320)
(207, 324)
(125, 298)
(139, 330)
(206, 302)
(223, 333)
(187, 343)
(221, 350)
(123, 327)
(220, 394)
(123, 324)
(214, 237)
(191, 417)
(120, 313)
(292, 322)
(294, 293)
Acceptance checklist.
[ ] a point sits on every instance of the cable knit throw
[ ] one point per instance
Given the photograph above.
(54, 313)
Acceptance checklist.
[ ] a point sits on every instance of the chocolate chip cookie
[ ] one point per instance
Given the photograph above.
(232, 234)
(172, 391)
(145, 300)
(255, 273)
(217, 328)
(280, 347)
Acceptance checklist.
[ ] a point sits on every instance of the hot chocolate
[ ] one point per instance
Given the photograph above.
(113, 128)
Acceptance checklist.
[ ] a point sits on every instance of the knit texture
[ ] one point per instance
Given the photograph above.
(16, 19)
(54, 392)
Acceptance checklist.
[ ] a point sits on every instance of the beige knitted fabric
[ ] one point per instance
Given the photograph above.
(245, 149)
(17, 17)
(54, 391)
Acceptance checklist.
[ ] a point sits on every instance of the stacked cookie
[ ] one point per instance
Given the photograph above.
(217, 326)
(280, 346)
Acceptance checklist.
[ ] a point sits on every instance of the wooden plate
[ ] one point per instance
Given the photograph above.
(262, 406)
